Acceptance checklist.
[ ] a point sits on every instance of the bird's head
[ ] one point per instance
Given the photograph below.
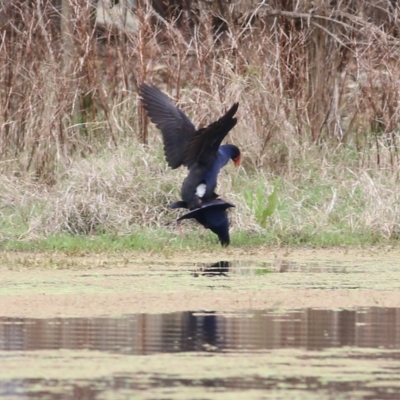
(224, 238)
(234, 153)
(219, 224)
(237, 160)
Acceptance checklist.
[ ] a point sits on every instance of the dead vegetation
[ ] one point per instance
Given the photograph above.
(318, 85)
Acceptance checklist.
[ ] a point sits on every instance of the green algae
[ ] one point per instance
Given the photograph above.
(118, 285)
(242, 276)
(294, 373)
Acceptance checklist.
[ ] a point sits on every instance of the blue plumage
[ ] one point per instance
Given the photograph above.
(200, 151)
(226, 152)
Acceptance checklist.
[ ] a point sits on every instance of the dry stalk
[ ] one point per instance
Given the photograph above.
(315, 82)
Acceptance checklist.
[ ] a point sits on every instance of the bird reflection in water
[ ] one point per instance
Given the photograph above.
(220, 268)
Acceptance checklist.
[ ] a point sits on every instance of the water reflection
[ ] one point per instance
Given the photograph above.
(228, 339)
(250, 268)
(207, 331)
(220, 268)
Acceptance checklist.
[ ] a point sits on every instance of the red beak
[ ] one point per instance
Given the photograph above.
(236, 161)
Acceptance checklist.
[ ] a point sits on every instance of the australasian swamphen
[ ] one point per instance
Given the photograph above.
(199, 150)
(212, 215)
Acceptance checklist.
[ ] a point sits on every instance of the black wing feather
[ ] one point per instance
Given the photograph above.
(216, 204)
(176, 128)
(203, 146)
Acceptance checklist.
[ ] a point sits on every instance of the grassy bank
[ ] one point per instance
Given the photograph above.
(165, 243)
(319, 94)
(118, 200)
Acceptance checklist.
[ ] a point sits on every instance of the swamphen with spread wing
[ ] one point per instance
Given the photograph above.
(212, 215)
(199, 150)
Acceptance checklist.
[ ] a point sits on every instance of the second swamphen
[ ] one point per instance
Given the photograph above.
(199, 150)
(212, 215)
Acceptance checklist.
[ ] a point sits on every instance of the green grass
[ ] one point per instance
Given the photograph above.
(164, 242)
(118, 201)
(261, 205)
(157, 240)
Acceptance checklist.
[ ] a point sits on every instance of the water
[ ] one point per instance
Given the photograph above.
(334, 349)
(143, 334)
(324, 340)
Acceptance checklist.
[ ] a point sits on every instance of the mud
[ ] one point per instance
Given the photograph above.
(49, 285)
(185, 376)
(276, 323)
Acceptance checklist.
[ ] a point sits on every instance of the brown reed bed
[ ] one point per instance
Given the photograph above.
(319, 108)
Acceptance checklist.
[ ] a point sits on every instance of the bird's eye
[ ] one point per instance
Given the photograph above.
(237, 161)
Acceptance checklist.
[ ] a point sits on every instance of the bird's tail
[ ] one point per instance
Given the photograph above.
(178, 204)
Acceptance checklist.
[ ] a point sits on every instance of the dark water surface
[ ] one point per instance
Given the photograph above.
(143, 334)
(336, 353)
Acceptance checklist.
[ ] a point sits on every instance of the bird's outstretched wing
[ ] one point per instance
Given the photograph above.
(176, 128)
(215, 204)
(202, 148)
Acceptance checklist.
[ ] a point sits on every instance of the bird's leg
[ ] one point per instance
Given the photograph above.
(218, 197)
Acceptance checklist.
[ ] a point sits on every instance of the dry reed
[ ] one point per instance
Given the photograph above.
(318, 87)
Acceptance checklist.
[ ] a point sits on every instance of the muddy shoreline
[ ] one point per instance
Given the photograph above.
(49, 285)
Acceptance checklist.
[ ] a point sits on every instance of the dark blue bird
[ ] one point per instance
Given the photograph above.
(212, 215)
(199, 150)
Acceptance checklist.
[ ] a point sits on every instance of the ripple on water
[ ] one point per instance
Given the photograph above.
(297, 352)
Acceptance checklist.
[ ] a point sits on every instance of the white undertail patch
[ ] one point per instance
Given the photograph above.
(201, 190)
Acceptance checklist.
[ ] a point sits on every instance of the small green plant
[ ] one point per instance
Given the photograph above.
(261, 206)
